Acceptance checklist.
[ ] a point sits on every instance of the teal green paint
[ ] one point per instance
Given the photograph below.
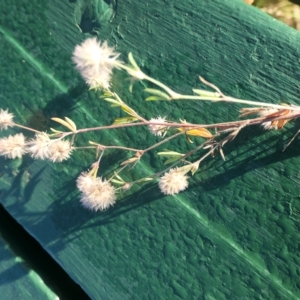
(257, 267)
(17, 279)
(34, 62)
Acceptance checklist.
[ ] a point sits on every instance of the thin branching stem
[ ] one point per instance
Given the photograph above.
(222, 125)
(240, 101)
(27, 128)
(163, 141)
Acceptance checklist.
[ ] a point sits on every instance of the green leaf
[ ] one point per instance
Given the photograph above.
(159, 93)
(124, 120)
(208, 94)
(170, 160)
(131, 85)
(56, 131)
(106, 94)
(114, 101)
(132, 61)
(72, 124)
(64, 123)
(117, 181)
(170, 154)
(128, 110)
(119, 177)
(155, 98)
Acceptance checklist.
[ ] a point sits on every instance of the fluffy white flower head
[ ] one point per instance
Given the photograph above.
(95, 62)
(173, 182)
(39, 147)
(158, 130)
(6, 119)
(97, 193)
(13, 146)
(85, 182)
(42, 147)
(59, 150)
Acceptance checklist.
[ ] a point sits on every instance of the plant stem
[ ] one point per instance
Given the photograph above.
(163, 141)
(27, 128)
(234, 100)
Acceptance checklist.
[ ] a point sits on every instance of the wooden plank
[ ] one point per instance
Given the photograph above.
(230, 234)
(18, 281)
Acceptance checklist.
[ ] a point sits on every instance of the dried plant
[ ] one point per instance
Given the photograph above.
(283, 10)
(96, 61)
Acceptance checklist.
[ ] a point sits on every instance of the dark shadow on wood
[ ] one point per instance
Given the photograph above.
(37, 259)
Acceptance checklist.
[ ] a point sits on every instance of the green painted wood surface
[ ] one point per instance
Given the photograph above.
(17, 280)
(27, 270)
(230, 235)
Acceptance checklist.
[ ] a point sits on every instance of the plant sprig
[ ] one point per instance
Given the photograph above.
(99, 193)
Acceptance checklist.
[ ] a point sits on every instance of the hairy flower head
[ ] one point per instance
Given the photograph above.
(95, 62)
(39, 147)
(158, 130)
(97, 193)
(59, 150)
(85, 181)
(173, 182)
(13, 146)
(6, 119)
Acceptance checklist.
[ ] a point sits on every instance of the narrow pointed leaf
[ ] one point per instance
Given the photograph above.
(56, 131)
(155, 98)
(204, 93)
(202, 132)
(128, 110)
(111, 100)
(129, 161)
(124, 120)
(131, 85)
(189, 140)
(72, 124)
(170, 154)
(119, 177)
(170, 160)
(117, 181)
(106, 94)
(64, 123)
(222, 154)
(132, 61)
(157, 93)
